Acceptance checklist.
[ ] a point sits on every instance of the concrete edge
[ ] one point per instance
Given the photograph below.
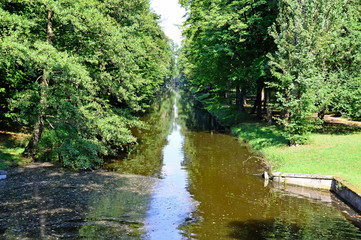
(325, 182)
(346, 194)
(302, 175)
(306, 180)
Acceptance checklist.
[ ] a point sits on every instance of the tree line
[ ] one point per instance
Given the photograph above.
(298, 59)
(78, 73)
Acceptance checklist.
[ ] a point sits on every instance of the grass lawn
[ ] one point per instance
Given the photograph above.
(11, 146)
(335, 151)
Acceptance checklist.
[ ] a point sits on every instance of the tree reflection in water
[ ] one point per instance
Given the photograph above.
(234, 204)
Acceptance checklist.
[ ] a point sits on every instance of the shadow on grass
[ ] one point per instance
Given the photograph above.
(11, 140)
(6, 159)
(339, 129)
(11, 146)
(260, 135)
(232, 115)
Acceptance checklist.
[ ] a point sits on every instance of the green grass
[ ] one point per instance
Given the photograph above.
(229, 115)
(11, 146)
(336, 151)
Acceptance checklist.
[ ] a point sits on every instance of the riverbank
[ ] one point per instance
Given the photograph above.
(45, 201)
(334, 151)
(12, 144)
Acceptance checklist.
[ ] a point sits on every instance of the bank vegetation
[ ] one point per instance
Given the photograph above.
(288, 62)
(77, 74)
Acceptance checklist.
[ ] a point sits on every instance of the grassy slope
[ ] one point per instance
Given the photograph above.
(11, 146)
(336, 151)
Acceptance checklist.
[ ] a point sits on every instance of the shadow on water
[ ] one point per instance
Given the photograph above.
(278, 229)
(206, 190)
(46, 202)
(193, 117)
(147, 156)
(234, 204)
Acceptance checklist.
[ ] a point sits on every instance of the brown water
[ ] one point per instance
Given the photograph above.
(209, 189)
(198, 184)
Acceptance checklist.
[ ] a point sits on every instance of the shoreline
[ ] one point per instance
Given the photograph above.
(348, 193)
(351, 196)
(42, 200)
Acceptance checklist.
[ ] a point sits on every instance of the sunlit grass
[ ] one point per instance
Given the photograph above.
(335, 153)
(11, 146)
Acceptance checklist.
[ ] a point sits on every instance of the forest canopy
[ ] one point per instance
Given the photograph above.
(79, 72)
(292, 60)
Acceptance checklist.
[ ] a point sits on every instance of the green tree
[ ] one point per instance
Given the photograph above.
(304, 34)
(87, 68)
(225, 49)
(346, 61)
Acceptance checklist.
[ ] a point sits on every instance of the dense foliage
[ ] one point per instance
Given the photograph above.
(78, 72)
(295, 60)
(226, 47)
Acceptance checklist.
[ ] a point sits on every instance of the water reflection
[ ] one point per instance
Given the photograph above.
(171, 204)
(120, 213)
(146, 158)
(207, 188)
(234, 204)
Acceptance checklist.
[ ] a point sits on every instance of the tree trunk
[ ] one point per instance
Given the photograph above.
(228, 98)
(260, 98)
(253, 110)
(285, 114)
(266, 99)
(50, 32)
(32, 148)
(223, 95)
(243, 99)
(257, 106)
(238, 97)
(321, 114)
(268, 109)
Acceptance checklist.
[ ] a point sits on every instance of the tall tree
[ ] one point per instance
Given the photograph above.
(345, 63)
(303, 33)
(91, 66)
(226, 47)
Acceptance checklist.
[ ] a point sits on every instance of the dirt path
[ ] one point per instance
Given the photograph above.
(41, 201)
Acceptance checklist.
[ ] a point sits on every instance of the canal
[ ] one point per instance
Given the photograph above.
(186, 179)
(209, 187)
